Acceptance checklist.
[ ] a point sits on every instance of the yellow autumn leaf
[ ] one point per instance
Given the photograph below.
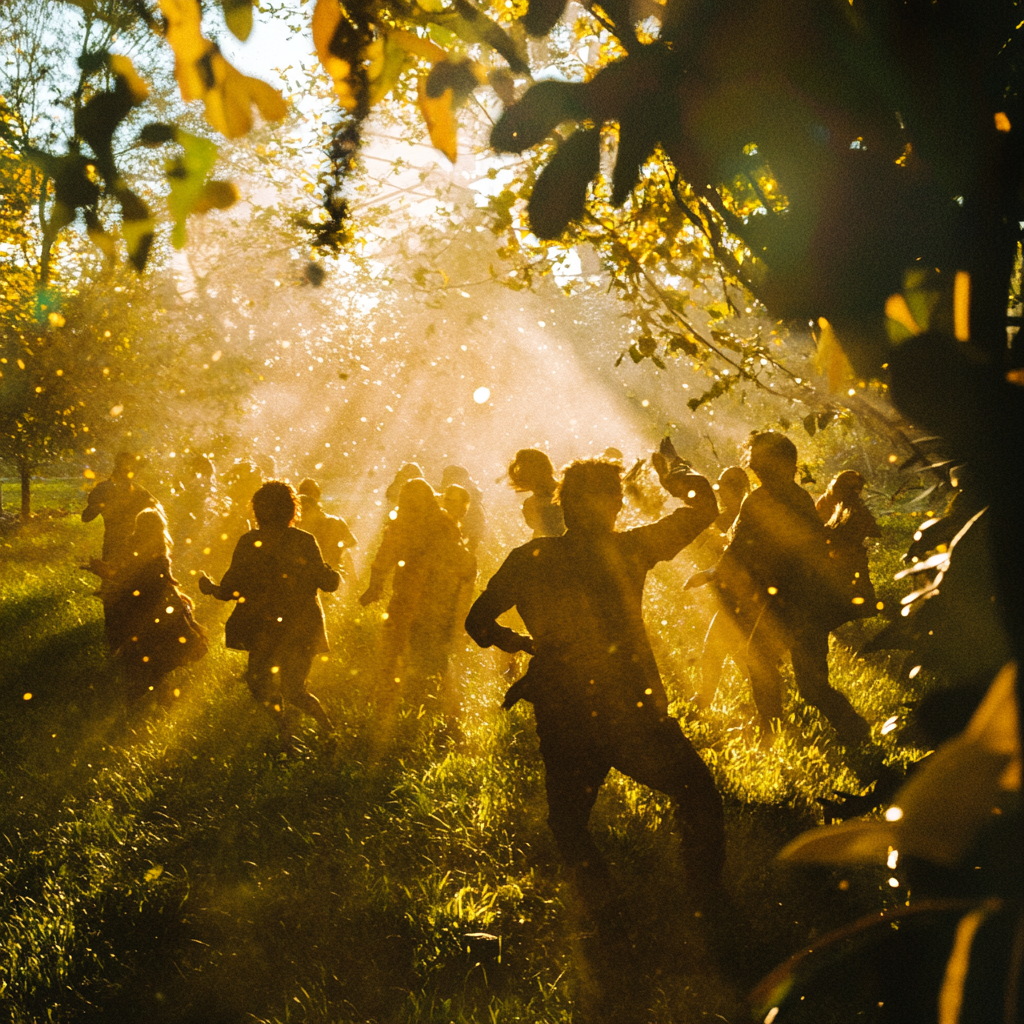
(899, 321)
(440, 119)
(327, 16)
(373, 55)
(184, 36)
(103, 241)
(216, 195)
(417, 46)
(122, 66)
(204, 74)
(830, 360)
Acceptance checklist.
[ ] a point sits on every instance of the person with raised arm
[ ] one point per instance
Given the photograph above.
(593, 682)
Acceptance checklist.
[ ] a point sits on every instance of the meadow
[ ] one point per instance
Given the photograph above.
(169, 865)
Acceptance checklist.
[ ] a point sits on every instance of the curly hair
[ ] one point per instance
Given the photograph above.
(588, 476)
(274, 504)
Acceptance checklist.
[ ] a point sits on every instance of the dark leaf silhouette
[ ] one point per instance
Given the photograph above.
(156, 133)
(637, 140)
(501, 81)
(476, 27)
(72, 185)
(137, 227)
(542, 109)
(457, 75)
(542, 16)
(561, 190)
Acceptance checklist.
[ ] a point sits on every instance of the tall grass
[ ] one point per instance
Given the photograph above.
(170, 866)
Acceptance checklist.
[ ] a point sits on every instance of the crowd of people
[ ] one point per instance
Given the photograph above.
(783, 571)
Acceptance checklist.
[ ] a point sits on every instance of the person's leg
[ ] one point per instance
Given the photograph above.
(762, 660)
(573, 774)
(658, 755)
(711, 660)
(265, 686)
(810, 666)
(295, 666)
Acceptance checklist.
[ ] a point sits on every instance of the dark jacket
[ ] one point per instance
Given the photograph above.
(580, 596)
(119, 501)
(274, 576)
(776, 569)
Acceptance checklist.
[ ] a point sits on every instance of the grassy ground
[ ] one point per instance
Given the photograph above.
(168, 866)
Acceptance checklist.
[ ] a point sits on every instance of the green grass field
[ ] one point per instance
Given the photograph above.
(169, 866)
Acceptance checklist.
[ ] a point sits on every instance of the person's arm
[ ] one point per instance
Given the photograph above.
(386, 560)
(234, 579)
(326, 578)
(94, 503)
(664, 539)
(348, 538)
(498, 598)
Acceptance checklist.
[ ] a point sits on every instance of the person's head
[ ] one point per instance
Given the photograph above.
(417, 497)
(200, 465)
(274, 505)
(458, 475)
(846, 486)
(150, 536)
(410, 471)
(591, 494)
(531, 470)
(733, 485)
(456, 501)
(772, 456)
(309, 490)
(124, 465)
(265, 464)
(243, 472)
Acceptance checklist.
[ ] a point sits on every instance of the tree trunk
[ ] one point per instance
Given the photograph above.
(25, 469)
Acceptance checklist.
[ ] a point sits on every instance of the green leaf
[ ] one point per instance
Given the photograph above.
(187, 176)
(238, 16)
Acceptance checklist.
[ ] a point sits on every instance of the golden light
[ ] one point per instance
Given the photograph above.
(962, 305)
(481, 395)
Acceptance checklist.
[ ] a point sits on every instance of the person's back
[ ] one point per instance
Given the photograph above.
(848, 525)
(119, 501)
(778, 550)
(580, 596)
(331, 532)
(776, 580)
(276, 573)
